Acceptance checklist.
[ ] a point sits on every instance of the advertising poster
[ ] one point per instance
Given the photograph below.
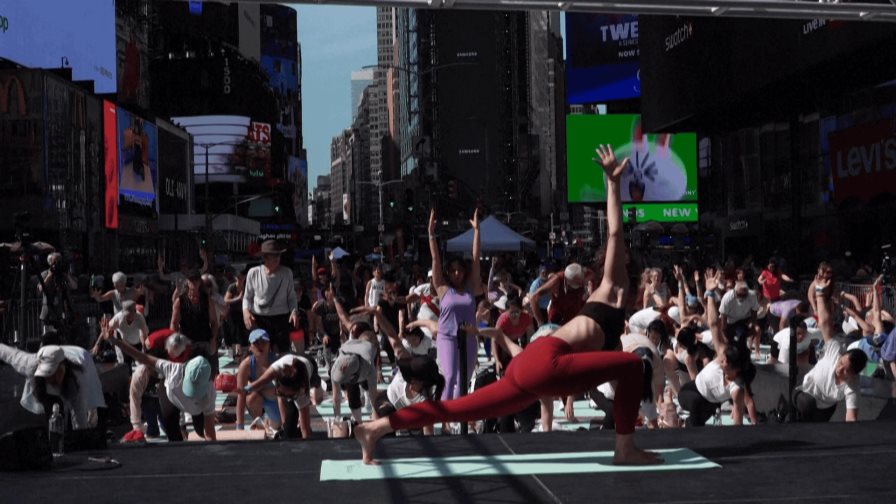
(174, 170)
(138, 170)
(602, 58)
(662, 168)
(863, 160)
(110, 141)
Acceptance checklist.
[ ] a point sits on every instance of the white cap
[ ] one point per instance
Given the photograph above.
(429, 274)
(48, 360)
(675, 314)
(119, 277)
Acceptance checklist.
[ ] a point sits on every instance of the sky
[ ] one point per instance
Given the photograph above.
(335, 41)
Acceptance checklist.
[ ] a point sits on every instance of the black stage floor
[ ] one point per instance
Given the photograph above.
(833, 462)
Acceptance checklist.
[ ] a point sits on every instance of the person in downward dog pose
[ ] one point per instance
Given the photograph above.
(575, 358)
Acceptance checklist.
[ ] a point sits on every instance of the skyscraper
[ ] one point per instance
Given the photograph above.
(360, 80)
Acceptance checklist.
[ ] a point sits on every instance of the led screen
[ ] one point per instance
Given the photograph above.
(220, 139)
(602, 58)
(138, 167)
(662, 169)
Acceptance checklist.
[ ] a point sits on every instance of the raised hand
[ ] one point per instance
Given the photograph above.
(474, 222)
(612, 168)
(432, 222)
(712, 278)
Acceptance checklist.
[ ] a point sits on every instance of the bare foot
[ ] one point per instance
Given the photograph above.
(635, 457)
(367, 438)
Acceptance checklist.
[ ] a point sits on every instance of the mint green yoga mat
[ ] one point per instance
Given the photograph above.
(677, 459)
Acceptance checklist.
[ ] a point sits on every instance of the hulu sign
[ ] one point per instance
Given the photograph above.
(662, 212)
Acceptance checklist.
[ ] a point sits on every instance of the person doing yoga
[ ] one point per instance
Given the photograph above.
(572, 360)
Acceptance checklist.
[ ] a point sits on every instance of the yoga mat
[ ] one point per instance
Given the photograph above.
(677, 459)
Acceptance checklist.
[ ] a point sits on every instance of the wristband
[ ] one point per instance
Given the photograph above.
(247, 389)
(432, 237)
(711, 294)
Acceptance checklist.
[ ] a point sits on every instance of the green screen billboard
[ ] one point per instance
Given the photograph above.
(662, 168)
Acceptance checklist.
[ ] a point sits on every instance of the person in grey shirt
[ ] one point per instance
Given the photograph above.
(269, 300)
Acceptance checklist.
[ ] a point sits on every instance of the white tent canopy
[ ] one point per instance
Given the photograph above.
(495, 236)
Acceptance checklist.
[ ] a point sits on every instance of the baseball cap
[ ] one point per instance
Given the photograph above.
(197, 373)
(258, 334)
(48, 359)
(321, 271)
(545, 330)
(675, 314)
(692, 300)
(345, 368)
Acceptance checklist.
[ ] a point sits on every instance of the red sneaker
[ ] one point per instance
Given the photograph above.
(135, 436)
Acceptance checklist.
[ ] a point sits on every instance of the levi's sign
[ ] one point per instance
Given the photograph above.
(863, 160)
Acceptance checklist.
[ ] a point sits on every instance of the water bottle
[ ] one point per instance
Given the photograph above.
(57, 432)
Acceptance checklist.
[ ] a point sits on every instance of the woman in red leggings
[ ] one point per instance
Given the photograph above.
(575, 358)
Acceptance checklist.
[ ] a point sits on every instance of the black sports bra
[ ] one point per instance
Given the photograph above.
(610, 319)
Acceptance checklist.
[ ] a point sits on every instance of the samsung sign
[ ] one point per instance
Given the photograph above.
(62, 33)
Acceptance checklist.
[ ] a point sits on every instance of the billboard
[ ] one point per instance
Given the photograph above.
(22, 135)
(110, 141)
(863, 160)
(662, 169)
(138, 168)
(602, 57)
(62, 33)
(221, 135)
(174, 170)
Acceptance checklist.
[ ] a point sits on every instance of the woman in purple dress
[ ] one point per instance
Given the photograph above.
(457, 288)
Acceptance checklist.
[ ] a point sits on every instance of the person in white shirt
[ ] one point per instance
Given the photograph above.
(805, 336)
(58, 374)
(417, 380)
(727, 377)
(375, 287)
(130, 325)
(654, 381)
(738, 313)
(269, 299)
(836, 376)
(187, 389)
(295, 377)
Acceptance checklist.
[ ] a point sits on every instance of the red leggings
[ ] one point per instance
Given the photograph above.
(547, 367)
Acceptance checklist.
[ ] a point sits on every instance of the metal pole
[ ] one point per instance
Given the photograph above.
(21, 338)
(464, 379)
(208, 221)
(382, 228)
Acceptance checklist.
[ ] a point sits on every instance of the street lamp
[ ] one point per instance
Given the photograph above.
(379, 185)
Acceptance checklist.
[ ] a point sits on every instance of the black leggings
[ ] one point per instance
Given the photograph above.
(699, 407)
(171, 418)
(808, 408)
(278, 328)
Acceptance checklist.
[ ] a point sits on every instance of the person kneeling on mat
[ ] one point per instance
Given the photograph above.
(728, 376)
(294, 379)
(654, 382)
(187, 389)
(261, 399)
(417, 380)
(354, 368)
(836, 376)
(572, 360)
(144, 401)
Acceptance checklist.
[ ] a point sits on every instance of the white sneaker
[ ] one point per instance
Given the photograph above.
(257, 424)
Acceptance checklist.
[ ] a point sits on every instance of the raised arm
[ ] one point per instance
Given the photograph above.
(821, 292)
(614, 266)
(474, 280)
(432, 325)
(682, 285)
(712, 279)
(343, 315)
(438, 280)
(876, 320)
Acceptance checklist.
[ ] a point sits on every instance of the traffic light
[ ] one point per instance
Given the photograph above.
(391, 202)
(409, 200)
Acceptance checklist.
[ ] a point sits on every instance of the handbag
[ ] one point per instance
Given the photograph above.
(225, 382)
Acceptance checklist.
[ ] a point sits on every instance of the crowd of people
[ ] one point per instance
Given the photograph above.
(645, 351)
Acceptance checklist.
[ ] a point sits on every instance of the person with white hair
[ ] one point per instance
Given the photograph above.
(738, 314)
(143, 394)
(57, 284)
(119, 293)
